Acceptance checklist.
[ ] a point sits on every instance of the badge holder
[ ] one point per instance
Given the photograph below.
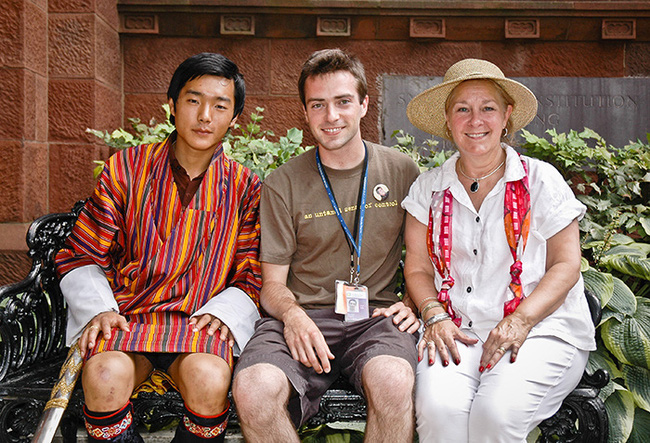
(352, 299)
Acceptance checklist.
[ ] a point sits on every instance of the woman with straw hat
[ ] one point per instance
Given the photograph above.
(493, 264)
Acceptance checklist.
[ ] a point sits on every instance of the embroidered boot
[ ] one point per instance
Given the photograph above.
(114, 427)
(200, 428)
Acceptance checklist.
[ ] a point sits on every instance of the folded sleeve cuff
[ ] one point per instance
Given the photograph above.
(235, 308)
(87, 293)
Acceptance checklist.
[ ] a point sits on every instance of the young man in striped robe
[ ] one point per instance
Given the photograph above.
(161, 270)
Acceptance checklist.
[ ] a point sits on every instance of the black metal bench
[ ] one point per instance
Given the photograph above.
(32, 331)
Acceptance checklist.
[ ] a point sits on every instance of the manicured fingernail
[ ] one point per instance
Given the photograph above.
(430, 361)
(445, 363)
(512, 359)
(457, 361)
(489, 366)
(419, 359)
(481, 369)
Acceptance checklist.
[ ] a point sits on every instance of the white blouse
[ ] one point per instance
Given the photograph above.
(481, 258)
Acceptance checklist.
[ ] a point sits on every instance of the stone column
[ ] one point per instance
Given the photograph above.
(60, 73)
(23, 128)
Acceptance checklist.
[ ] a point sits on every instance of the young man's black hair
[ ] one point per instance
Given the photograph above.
(208, 63)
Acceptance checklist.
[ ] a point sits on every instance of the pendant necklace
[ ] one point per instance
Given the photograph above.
(473, 188)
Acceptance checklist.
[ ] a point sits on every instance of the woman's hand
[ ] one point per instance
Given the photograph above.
(509, 334)
(442, 337)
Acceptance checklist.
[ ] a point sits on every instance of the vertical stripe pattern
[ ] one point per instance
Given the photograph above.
(164, 262)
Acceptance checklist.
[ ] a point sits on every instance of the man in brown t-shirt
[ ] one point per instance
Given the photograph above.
(331, 241)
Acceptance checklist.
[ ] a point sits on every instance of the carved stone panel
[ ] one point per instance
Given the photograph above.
(522, 28)
(139, 23)
(238, 25)
(616, 108)
(427, 27)
(333, 26)
(624, 29)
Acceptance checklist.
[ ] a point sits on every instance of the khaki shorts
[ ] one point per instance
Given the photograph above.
(352, 343)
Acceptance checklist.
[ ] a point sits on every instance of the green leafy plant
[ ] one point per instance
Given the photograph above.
(614, 184)
(427, 156)
(249, 145)
(141, 133)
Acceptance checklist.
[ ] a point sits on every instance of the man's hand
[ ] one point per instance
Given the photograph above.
(404, 317)
(101, 323)
(213, 323)
(306, 342)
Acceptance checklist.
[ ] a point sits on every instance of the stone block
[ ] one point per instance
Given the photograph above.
(557, 59)
(72, 46)
(144, 106)
(14, 264)
(35, 171)
(108, 57)
(40, 115)
(71, 106)
(287, 58)
(11, 181)
(71, 174)
(364, 28)
(29, 105)
(107, 10)
(637, 59)
(392, 28)
(12, 34)
(69, 6)
(35, 38)
(12, 102)
(287, 26)
(150, 63)
(280, 114)
(108, 108)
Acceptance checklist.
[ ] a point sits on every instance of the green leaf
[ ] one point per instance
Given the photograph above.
(601, 359)
(620, 411)
(629, 340)
(622, 300)
(600, 283)
(584, 264)
(641, 427)
(638, 382)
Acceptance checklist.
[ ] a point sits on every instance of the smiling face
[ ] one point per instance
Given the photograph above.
(204, 112)
(476, 115)
(333, 110)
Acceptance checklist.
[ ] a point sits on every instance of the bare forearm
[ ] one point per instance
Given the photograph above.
(277, 300)
(549, 294)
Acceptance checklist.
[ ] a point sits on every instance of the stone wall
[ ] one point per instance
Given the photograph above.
(73, 64)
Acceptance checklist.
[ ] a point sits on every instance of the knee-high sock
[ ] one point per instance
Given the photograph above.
(114, 427)
(200, 428)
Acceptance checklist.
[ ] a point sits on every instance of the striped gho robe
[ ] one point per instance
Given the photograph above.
(163, 262)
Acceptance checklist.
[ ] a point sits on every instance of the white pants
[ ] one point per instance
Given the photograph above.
(459, 404)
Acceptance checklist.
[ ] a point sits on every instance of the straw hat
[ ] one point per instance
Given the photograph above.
(427, 110)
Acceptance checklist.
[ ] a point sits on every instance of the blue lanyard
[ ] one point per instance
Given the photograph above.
(354, 244)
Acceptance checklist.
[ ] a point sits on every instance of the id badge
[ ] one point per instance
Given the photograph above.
(351, 301)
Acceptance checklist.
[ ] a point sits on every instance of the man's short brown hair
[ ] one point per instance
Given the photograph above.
(327, 61)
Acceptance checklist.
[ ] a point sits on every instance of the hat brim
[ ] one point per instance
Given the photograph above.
(427, 110)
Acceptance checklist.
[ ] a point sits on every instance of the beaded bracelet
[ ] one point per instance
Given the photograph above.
(437, 318)
(430, 305)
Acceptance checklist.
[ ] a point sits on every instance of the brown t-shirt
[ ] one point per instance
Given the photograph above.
(300, 228)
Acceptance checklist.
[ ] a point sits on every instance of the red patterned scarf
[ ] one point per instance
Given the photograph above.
(516, 219)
